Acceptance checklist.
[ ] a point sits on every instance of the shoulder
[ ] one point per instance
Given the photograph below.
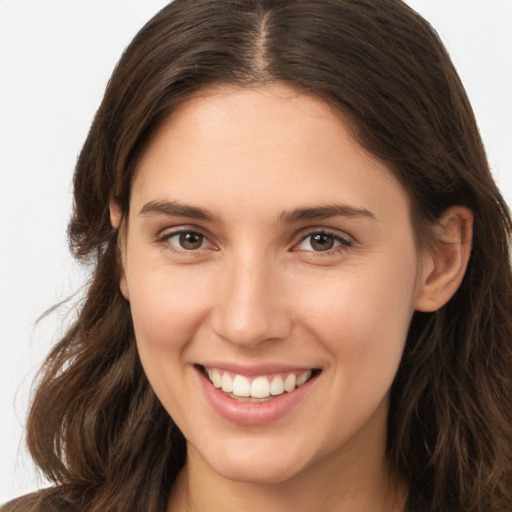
(41, 501)
(22, 504)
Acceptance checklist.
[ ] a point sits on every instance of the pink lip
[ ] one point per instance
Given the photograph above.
(251, 413)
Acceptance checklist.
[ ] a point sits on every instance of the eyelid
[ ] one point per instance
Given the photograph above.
(166, 234)
(175, 230)
(345, 240)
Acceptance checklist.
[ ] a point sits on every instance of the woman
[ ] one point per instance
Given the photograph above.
(301, 294)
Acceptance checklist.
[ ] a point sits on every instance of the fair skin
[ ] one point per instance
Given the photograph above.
(262, 242)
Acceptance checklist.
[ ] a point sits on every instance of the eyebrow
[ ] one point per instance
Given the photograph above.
(324, 212)
(177, 209)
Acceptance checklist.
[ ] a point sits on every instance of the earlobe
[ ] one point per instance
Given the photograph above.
(123, 285)
(116, 221)
(116, 213)
(445, 263)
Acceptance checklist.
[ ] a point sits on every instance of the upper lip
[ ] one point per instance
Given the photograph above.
(256, 369)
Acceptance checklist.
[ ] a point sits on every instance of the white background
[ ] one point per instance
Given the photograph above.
(55, 59)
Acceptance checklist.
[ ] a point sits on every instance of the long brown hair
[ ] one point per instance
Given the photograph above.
(96, 428)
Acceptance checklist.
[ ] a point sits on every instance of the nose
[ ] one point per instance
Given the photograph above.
(250, 306)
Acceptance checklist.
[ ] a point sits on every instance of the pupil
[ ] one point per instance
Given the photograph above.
(322, 242)
(191, 241)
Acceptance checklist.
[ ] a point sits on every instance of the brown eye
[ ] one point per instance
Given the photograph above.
(190, 241)
(322, 242)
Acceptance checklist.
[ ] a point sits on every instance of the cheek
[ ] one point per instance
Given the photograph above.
(166, 309)
(363, 316)
(166, 313)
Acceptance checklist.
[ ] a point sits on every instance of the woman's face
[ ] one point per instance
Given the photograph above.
(266, 248)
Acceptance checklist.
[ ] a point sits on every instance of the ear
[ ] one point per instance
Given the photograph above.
(444, 264)
(116, 221)
(116, 213)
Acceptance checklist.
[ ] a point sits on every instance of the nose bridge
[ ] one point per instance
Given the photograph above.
(250, 308)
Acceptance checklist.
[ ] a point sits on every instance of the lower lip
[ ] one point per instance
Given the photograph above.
(253, 413)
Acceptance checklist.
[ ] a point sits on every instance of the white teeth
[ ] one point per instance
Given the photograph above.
(227, 383)
(215, 377)
(277, 386)
(241, 386)
(290, 382)
(260, 388)
(303, 377)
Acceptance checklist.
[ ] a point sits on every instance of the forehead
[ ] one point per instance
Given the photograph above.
(256, 147)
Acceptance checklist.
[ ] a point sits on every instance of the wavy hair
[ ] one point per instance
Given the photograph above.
(96, 428)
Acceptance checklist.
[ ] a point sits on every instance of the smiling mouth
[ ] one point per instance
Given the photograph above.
(260, 388)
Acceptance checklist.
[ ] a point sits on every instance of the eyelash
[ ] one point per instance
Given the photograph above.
(165, 238)
(343, 242)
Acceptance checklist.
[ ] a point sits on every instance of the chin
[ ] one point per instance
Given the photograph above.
(262, 475)
(263, 468)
